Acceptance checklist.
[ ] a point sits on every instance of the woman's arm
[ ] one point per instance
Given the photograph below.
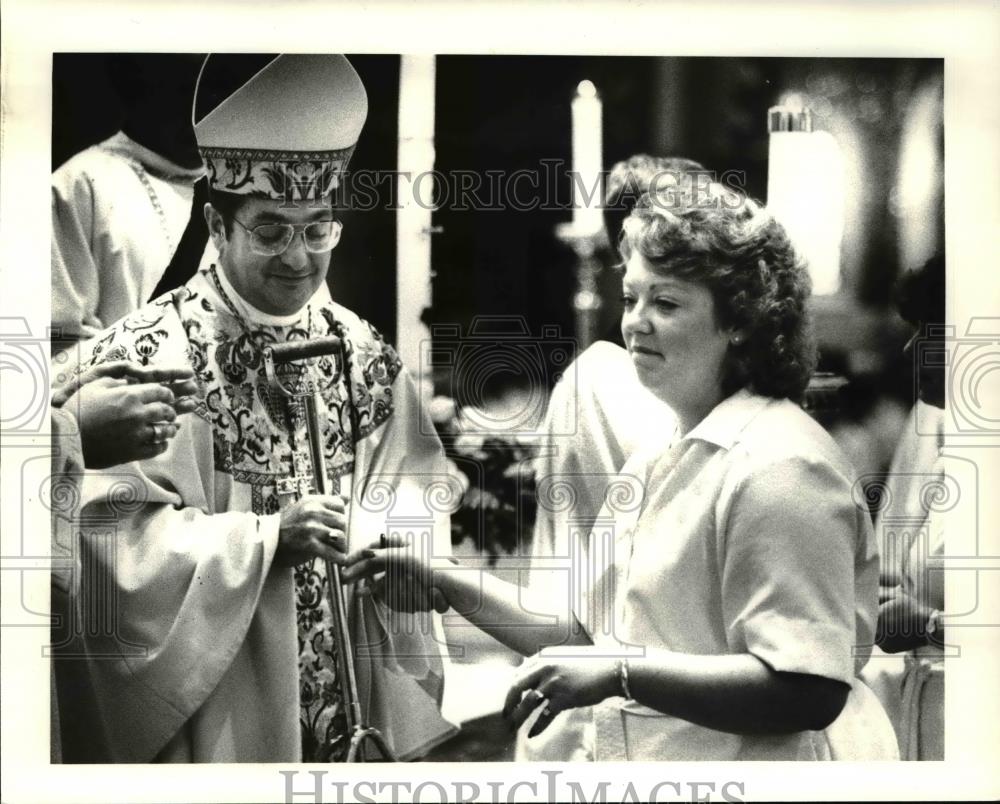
(523, 620)
(787, 539)
(736, 693)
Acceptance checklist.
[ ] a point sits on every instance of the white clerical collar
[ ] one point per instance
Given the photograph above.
(251, 313)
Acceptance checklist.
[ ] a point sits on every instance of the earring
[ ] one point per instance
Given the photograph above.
(736, 340)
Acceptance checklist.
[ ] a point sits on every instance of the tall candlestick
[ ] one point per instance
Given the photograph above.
(588, 189)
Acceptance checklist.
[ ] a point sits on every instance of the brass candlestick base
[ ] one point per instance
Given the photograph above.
(587, 301)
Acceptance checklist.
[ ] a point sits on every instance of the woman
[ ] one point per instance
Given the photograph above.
(723, 621)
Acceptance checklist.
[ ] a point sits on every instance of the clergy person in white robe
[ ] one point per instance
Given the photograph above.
(120, 207)
(118, 212)
(216, 646)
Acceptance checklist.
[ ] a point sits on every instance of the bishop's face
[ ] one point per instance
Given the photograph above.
(279, 284)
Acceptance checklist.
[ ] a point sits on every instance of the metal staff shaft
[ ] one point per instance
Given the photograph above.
(311, 394)
(335, 586)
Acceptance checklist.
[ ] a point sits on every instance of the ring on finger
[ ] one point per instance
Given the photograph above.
(159, 430)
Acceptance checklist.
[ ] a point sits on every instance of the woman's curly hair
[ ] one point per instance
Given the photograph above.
(717, 237)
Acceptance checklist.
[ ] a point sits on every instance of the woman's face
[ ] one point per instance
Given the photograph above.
(671, 333)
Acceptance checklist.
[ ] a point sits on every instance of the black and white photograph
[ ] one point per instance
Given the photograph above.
(498, 422)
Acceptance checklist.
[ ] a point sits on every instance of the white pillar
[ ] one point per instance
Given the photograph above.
(413, 220)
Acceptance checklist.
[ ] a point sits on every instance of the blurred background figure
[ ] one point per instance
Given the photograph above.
(911, 685)
(121, 207)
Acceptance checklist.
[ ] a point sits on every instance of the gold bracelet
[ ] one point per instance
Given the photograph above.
(623, 678)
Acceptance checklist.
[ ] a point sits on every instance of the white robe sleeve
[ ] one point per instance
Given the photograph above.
(169, 588)
(173, 590)
(75, 267)
(402, 486)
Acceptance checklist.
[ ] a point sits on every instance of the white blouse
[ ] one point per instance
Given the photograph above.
(741, 538)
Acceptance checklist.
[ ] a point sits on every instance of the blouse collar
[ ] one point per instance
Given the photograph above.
(724, 423)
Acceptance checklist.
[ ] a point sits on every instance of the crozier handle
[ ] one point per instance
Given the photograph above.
(299, 350)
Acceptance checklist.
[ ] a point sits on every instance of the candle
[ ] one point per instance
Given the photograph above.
(805, 192)
(588, 189)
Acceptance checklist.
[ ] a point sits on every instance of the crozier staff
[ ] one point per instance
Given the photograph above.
(218, 573)
(723, 623)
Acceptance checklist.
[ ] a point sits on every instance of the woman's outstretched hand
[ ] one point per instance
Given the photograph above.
(396, 574)
(584, 678)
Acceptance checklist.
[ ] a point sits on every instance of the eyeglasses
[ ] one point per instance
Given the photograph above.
(271, 239)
